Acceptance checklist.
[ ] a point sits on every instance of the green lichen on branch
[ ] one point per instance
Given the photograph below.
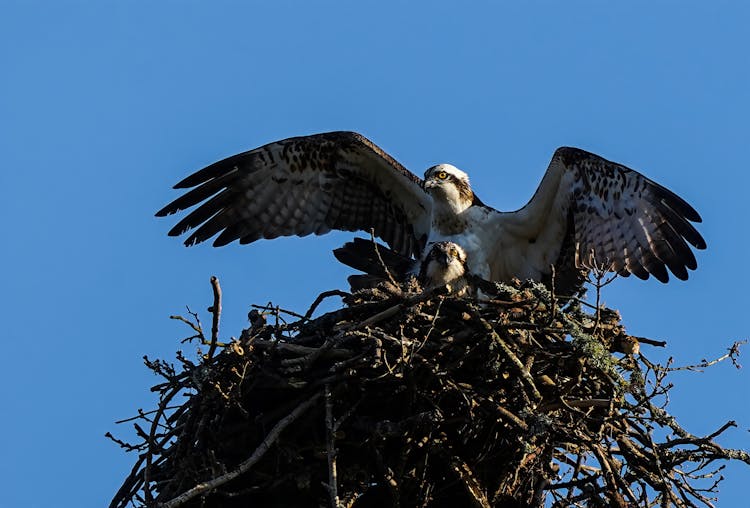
(421, 399)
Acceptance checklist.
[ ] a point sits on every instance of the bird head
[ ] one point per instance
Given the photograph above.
(448, 184)
(448, 253)
(445, 262)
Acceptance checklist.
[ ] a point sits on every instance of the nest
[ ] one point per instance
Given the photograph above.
(412, 398)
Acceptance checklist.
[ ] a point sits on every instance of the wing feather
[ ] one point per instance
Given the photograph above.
(230, 234)
(634, 265)
(681, 225)
(680, 248)
(305, 185)
(622, 221)
(201, 214)
(216, 223)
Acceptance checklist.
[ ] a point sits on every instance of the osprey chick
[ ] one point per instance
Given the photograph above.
(444, 265)
(588, 212)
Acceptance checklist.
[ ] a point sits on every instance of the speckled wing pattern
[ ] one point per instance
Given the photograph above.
(622, 221)
(305, 185)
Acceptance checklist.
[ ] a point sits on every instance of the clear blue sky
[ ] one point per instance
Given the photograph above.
(105, 105)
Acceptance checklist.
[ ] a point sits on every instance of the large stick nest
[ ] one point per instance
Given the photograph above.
(421, 399)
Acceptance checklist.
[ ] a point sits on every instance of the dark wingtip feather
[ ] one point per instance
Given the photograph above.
(342, 254)
(659, 271)
(165, 211)
(364, 255)
(680, 224)
(231, 233)
(634, 266)
(675, 202)
(682, 274)
(677, 268)
(357, 254)
(640, 275)
(205, 186)
(175, 206)
(175, 231)
(681, 252)
(218, 169)
(700, 243)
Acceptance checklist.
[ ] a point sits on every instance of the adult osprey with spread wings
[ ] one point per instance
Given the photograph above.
(588, 213)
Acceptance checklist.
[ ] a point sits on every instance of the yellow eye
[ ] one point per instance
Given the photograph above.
(454, 252)
(442, 175)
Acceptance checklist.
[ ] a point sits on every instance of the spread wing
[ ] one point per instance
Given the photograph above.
(304, 185)
(611, 216)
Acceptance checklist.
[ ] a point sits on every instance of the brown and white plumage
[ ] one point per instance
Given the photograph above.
(304, 185)
(587, 212)
(445, 265)
(611, 216)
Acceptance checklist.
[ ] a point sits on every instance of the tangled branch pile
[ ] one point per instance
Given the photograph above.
(421, 399)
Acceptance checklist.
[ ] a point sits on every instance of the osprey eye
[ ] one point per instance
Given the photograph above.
(454, 253)
(442, 175)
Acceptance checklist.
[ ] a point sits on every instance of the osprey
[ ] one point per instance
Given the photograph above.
(443, 265)
(588, 213)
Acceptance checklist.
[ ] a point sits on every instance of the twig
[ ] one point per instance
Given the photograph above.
(245, 466)
(332, 486)
(472, 486)
(322, 296)
(194, 326)
(275, 309)
(650, 342)
(215, 310)
(525, 375)
(513, 418)
(581, 404)
(300, 350)
(380, 258)
(152, 446)
(127, 446)
(142, 414)
(732, 353)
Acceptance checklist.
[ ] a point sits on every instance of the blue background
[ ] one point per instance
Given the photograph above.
(105, 105)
